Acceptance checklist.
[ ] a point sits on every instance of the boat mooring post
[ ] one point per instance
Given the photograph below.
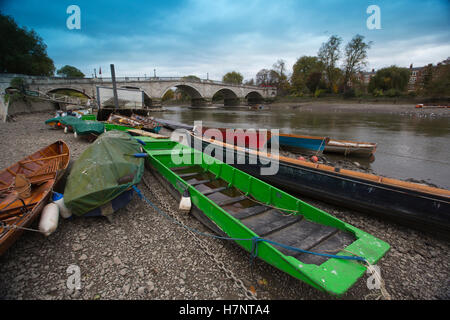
(113, 78)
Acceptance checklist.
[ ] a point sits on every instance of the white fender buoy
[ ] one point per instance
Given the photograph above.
(75, 134)
(65, 130)
(58, 199)
(49, 219)
(185, 203)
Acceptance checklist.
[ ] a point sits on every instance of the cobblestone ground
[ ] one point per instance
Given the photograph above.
(142, 255)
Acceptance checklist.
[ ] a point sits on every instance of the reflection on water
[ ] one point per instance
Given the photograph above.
(408, 146)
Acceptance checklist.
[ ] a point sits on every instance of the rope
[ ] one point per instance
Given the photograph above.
(384, 293)
(13, 226)
(318, 150)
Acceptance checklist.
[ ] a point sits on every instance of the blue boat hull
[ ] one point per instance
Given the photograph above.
(117, 203)
(302, 144)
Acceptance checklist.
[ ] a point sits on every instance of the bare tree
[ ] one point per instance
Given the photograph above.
(355, 57)
(280, 67)
(329, 53)
(262, 77)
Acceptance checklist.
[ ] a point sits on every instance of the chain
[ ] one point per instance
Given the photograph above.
(229, 274)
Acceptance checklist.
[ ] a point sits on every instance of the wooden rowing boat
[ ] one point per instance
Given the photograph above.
(148, 123)
(350, 148)
(264, 220)
(25, 188)
(135, 121)
(259, 139)
(299, 143)
(411, 204)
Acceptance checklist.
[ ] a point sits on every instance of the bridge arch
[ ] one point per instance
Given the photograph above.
(197, 98)
(62, 89)
(254, 97)
(229, 97)
(193, 92)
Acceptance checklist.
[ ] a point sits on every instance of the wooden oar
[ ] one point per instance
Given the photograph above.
(42, 159)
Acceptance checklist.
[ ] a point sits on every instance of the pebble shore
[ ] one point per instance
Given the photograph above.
(142, 255)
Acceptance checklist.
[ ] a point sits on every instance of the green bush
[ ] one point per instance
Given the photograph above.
(18, 83)
(319, 93)
(392, 93)
(378, 92)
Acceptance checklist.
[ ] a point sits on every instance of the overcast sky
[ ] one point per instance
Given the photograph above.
(197, 37)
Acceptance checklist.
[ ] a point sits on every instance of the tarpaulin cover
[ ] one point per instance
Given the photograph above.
(53, 120)
(106, 169)
(87, 126)
(66, 120)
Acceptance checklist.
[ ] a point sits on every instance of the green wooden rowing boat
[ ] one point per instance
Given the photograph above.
(246, 208)
(111, 126)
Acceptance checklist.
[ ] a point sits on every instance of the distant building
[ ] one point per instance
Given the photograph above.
(419, 75)
(364, 77)
(416, 77)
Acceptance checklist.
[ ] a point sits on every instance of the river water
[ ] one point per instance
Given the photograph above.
(408, 146)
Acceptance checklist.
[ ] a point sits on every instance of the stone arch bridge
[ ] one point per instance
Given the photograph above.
(200, 91)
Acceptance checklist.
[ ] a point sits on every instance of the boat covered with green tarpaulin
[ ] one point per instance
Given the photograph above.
(89, 127)
(105, 170)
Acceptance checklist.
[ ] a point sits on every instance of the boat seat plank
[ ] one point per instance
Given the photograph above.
(304, 235)
(227, 201)
(205, 193)
(195, 182)
(269, 221)
(175, 169)
(199, 178)
(331, 245)
(188, 175)
(247, 212)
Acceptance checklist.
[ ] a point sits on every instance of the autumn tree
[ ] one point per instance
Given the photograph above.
(329, 54)
(439, 85)
(70, 72)
(233, 77)
(169, 95)
(355, 57)
(191, 78)
(391, 78)
(278, 73)
(303, 69)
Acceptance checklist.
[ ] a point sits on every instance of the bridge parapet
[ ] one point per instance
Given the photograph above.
(154, 87)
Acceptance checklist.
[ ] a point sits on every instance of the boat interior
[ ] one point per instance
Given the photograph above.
(288, 228)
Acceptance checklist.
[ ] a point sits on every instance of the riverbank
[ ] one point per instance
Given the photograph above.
(142, 255)
(341, 106)
(363, 107)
